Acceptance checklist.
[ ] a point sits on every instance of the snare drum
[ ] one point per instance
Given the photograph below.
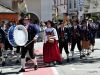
(17, 35)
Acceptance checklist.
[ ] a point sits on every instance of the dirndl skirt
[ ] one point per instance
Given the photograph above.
(51, 52)
(85, 44)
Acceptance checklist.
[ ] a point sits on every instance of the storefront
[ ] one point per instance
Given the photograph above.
(7, 14)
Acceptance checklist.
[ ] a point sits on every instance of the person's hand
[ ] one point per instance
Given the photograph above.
(34, 39)
(1, 45)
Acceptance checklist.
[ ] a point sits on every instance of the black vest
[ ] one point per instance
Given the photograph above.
(63, 34)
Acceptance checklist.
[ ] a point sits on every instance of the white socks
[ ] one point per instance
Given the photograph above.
(80, 53)
(18, 56)
(72, 53)
(67, 56)
(34, 61)
(23, 63)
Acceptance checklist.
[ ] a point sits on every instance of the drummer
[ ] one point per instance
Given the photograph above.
(8, 46)
(32, 35)
(1, 44)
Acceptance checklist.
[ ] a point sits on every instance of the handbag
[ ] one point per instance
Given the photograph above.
(51, 39)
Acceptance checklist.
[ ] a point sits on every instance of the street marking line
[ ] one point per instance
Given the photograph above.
(75, 69)
(20, 74)
(54, 71)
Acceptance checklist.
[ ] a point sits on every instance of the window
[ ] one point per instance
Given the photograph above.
(74, 3)
(14, 5)
(70, 4)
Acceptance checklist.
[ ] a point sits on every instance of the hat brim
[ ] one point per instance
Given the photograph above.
(26, 19)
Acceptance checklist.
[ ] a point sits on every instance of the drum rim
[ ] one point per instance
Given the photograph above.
(9, 35)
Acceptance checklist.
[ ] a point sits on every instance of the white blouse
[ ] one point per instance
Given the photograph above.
(50, 30)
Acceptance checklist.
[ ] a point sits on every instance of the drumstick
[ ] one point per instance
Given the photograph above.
(28, 43)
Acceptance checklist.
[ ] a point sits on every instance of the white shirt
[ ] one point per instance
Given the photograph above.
(50, 30)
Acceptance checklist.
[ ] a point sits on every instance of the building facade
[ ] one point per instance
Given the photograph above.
(75, 8)
(72, 8)
(92, 7)
(41, 8)
(59, 7)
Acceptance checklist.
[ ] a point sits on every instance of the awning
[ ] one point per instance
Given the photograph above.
(4, 9)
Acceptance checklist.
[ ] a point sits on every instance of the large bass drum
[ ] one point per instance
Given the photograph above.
(17, 35)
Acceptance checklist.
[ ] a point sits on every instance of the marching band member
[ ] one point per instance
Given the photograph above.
(32, 36)
(92, 28)
(63, 34)
(2, 38)
(75, 37)
(8, 46)
(50, 48)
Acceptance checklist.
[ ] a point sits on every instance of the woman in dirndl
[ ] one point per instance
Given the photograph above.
(51, 51)
(85, 38)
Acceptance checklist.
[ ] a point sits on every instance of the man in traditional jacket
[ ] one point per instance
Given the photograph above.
(63, 35)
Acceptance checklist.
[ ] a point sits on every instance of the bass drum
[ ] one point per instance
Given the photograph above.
(17, 35)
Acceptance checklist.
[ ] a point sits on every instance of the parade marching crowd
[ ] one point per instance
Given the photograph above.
(65, 34)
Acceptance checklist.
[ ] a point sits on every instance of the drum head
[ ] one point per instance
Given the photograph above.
(20, 35)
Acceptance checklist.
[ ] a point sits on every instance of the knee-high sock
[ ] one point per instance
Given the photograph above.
(83, 51)
(34, 61)
(3, 59)
(6, 52)
(12, 52)
(67, 56)
(72, 53)
(92, 47)
(18, 56)
(23, 63)
(27, 55)
(80, 53)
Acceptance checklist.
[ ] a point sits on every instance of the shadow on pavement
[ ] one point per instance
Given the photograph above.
(9, 73)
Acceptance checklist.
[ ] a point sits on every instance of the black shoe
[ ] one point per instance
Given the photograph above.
(22, 70)
(92, 50)
(3, 63)
(17, 61)
(67, 59)
(73, 59)
(27, 59)
(35, 67)
(83, 55)
(88, 54)
(59, 63)
(54, 63)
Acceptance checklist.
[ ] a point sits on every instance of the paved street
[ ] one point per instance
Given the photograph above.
(88, 66)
